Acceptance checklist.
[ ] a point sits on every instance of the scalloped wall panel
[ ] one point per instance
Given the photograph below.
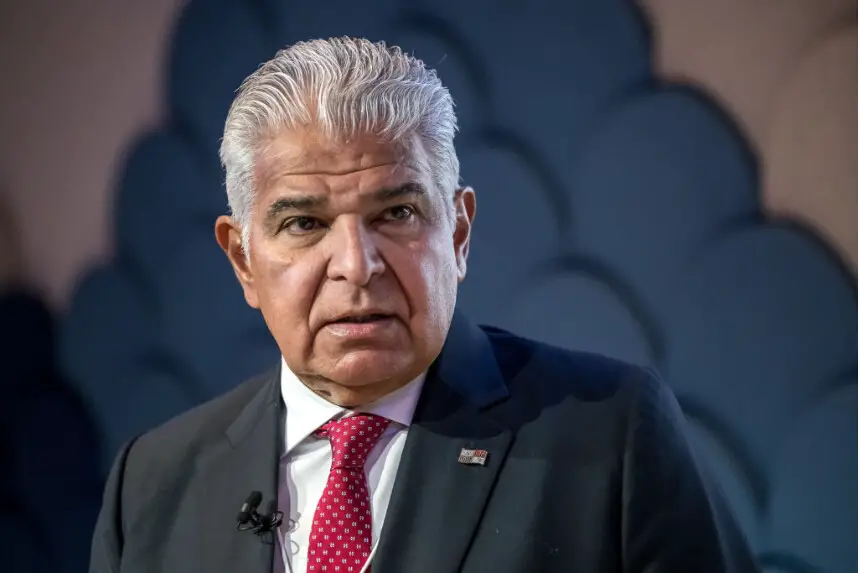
(616, 214)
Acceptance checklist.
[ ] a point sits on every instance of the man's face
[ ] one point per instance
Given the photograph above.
(355, 256)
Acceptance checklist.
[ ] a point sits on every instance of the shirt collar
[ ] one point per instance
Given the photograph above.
(306, 411)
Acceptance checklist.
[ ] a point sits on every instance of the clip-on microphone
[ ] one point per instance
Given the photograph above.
(249, 519)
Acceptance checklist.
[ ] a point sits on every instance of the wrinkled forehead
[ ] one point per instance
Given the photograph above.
(304, 152)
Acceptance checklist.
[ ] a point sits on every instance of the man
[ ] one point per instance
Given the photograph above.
(395, 434)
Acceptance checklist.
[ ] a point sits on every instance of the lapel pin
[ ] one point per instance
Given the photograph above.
(473, 457)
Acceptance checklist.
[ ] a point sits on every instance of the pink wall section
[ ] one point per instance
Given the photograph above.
(787, 71)
(80, 78)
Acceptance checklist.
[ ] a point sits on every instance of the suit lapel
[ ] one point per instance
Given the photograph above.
(437, 502)
(245, 461)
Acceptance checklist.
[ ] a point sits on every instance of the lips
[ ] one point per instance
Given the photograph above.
(361, 326)
(361, 319)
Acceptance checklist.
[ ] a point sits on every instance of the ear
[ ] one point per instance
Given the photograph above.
(228, 233)
(464, 214)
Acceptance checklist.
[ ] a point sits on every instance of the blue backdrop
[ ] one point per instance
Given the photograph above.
(616, 214)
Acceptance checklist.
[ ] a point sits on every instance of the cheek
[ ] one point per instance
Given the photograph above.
(286, 288)
(431, 281)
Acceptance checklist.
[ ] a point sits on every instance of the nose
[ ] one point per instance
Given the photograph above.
(355, 257)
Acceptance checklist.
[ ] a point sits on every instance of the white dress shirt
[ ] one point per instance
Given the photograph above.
(306, 460)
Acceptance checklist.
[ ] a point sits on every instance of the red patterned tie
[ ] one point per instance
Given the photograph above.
(341, 535)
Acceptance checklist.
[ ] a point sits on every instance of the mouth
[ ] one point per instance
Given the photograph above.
(361, 318)
(361, 326)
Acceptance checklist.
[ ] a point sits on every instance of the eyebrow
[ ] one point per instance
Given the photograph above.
(311, 202)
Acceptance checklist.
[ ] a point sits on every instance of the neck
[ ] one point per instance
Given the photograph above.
(349, 396)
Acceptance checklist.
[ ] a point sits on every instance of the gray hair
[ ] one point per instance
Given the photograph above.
(341, 87)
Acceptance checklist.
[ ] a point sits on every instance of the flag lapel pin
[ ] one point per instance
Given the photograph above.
(473, 457)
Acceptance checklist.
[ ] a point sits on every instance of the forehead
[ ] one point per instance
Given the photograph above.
(307, 159)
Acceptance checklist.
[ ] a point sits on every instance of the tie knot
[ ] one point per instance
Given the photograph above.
(352, 438)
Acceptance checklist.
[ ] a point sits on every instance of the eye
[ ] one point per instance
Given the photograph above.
(301, 225)
(399, 213)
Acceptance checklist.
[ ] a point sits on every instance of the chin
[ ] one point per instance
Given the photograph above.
(367, 367)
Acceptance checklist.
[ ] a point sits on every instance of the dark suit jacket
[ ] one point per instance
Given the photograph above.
(588, 470)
